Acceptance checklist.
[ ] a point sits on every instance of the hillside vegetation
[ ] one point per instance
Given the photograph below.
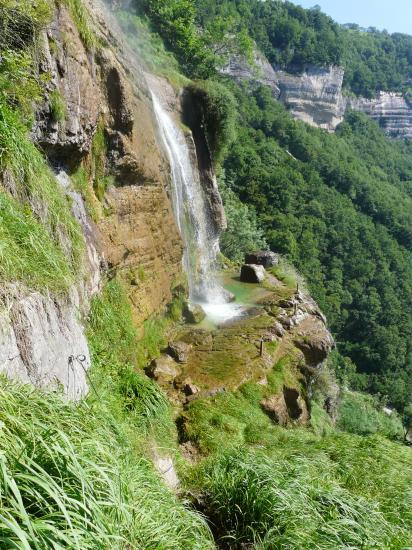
(82, 475)
(338, 206)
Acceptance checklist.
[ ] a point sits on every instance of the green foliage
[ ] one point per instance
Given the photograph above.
(43, 250)
(291, 498)
(175, 22)
(243, 233)
(21, 21)
(292, 37)
(70, 477)
(362, 414)
(216, 110)
(19, 86)
(57, 106)
(339, 208)
(81, 18)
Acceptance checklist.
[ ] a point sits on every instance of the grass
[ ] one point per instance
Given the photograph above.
(46, 250)
(71, 478)
(150, 48)
(361, 414)
(57, 106)
(234, 418)
(82, 21)
(292, 498)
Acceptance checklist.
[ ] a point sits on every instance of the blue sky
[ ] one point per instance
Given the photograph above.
(392, 15)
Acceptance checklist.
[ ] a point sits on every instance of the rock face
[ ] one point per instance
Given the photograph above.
(314, 95)
(391, 110)
(135, 236)
(42, 342)
(287, 406)
(262, 257)
(251, 273)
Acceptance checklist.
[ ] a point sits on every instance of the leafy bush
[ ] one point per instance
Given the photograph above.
(217, 113)
(360, 414)
(243, 233)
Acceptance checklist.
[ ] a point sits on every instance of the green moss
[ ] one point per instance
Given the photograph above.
(57, 106)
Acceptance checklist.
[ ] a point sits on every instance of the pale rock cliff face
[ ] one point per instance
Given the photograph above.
(315, 96)
(391, 110)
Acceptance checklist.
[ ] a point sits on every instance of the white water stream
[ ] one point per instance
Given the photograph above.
(192, 218)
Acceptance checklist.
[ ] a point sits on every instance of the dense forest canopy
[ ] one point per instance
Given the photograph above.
(338, 206)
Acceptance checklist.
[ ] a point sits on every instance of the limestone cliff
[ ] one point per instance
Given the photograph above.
(315, 95)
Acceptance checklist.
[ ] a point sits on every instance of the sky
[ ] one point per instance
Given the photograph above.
(392, 15)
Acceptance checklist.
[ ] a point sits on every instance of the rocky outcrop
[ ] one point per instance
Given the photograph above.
(73, 84)
(251, 273)
(390, 110)
(286, 407)
(201, 156)
(135, 237)
(42, 342)
(262, 257)
(314, 95)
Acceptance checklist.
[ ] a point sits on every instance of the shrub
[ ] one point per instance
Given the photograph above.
(217, 112)
(361, 414)
(243, 233)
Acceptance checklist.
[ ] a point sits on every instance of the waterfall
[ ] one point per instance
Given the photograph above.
(191, 213)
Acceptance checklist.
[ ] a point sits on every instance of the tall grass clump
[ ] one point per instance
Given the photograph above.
(70, 479)
(295, 500)
(57, 106)
(361, 414)
(42, 206)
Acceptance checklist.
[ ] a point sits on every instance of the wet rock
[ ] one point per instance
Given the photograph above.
(193, 313)
(163, 369)
(278, 329)
(267, 258)
(285, 407)
(251, 273)
(189, 388)
(179, 351)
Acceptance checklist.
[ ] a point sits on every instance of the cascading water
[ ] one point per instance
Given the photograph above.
(191, 214)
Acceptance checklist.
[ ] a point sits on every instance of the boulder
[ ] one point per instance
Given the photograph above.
(193, 313)
(267, 258)
(252, 273)
(163, 369)
(179, 351)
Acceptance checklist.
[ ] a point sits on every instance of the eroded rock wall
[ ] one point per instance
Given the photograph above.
(314, 95)
(42, 338)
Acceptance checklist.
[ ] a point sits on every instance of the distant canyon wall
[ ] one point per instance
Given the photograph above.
(315, 96)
